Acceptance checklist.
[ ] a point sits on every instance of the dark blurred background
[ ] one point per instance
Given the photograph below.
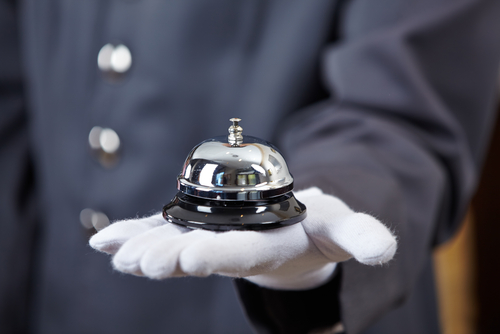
(468, 266)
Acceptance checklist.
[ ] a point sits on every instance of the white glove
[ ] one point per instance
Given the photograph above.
(296, 257)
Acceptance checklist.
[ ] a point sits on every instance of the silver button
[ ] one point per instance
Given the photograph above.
(114, 60)
(105, 144)
(93, 219)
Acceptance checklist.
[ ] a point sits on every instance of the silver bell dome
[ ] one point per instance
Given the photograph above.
(235, 167)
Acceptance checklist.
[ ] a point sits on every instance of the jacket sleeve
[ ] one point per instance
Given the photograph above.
(413, 87)
(17, 209)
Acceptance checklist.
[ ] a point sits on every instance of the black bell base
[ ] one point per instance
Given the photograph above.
(195, 212)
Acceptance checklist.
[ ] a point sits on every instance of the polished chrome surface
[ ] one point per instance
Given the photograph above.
(248, 169)
(234, 182)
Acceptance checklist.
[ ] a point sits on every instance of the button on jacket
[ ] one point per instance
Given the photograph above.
(101, 101)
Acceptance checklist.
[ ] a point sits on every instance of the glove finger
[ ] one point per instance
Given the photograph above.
(364, 237)
(244, 253)
(303, 195)
(318, 204)
(111, 238)
(128, 258)
(161, 260)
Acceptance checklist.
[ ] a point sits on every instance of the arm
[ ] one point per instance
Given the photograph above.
(16, 185)
(403, 139)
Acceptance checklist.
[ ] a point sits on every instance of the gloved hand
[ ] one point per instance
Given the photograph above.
(300, 256)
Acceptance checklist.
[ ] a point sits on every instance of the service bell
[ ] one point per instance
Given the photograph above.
(234, 182)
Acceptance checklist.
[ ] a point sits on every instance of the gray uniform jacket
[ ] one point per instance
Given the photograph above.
(386, 104)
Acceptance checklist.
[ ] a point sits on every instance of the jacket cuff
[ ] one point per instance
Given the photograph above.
(285, 311)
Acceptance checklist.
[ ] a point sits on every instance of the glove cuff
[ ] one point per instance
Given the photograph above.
(305, 281)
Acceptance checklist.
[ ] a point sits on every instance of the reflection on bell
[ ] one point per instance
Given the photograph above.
(234, 182)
